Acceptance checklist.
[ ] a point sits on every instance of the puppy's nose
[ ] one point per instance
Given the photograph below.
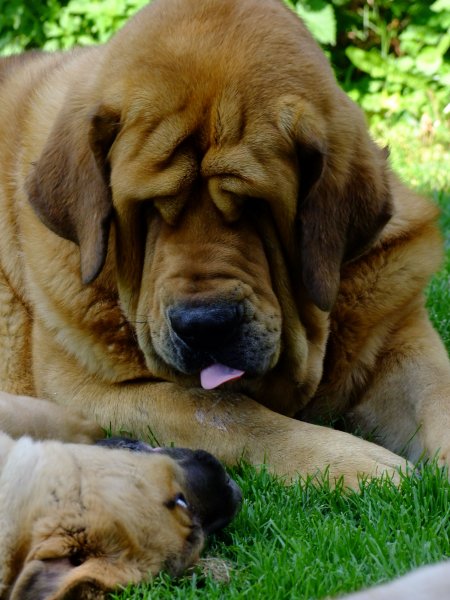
(206, 326)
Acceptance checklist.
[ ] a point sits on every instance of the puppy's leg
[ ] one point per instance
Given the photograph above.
(41, 419)
(408, 405)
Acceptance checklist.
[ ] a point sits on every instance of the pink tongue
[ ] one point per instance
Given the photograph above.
(215, 375)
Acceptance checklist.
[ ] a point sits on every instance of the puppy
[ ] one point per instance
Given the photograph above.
(77, 521)
(213, 494)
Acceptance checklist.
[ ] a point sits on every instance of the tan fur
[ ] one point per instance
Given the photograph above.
(206, 154)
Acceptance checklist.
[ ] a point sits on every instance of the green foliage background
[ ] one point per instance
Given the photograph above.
(390, 56)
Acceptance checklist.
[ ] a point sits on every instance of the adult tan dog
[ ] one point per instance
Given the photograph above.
(77, 521)
(198, 201)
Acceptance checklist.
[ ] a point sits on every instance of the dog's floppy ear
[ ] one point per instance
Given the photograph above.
(62, 579)
(68, 186)
(344, 197)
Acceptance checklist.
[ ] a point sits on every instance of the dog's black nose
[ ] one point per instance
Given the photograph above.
(206, 326)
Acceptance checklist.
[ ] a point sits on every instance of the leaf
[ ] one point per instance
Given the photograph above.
(444, 44)
(405, 63)
(369, 61)
(429, 61)
(445, 79)
(320, 19)
(440, 5)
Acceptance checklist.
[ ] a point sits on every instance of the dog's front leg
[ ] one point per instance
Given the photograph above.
(42, 420)
(229, 425)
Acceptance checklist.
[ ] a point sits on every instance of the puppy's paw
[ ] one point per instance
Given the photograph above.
(45, 420)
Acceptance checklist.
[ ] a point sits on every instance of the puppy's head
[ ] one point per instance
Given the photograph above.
(239, 179)
(213, 497)
(97, 518)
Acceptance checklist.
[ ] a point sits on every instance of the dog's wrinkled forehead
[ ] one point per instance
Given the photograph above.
(191, 107)
(169, 156)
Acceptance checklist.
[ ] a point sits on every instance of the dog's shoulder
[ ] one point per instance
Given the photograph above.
(403, 259)
(380, 289)
(22, 66)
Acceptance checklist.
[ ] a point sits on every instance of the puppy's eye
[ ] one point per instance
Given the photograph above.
(76, 559)
(181, 501)
(178, 500)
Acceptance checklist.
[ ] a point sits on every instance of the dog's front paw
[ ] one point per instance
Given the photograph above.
(366, 460)
(78, 429)
(315, 451)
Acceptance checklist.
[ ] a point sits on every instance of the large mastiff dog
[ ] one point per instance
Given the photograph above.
(196, 204)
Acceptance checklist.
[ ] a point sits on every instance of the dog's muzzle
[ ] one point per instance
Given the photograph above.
(220, 341)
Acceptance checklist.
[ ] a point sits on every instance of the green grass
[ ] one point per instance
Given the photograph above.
(305, 542)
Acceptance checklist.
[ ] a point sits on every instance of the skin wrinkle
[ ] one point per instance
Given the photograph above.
(163, 336)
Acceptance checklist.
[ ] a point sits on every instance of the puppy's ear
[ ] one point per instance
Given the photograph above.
(58, 579)
(68, 187)
(344, 197)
